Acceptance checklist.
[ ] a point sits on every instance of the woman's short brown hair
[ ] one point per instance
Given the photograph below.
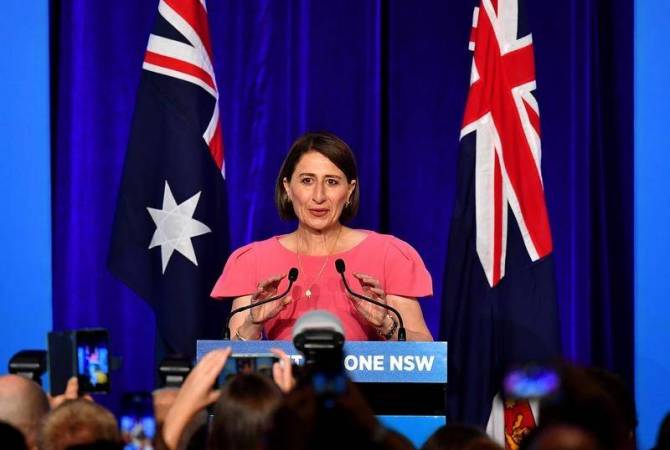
(333, 148)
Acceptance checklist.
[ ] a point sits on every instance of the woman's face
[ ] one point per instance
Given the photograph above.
(318, 190)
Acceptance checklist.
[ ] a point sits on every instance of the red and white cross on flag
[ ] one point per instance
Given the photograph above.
(189, 60)
(504, 114)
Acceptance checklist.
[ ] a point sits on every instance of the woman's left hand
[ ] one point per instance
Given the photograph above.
(374, 314)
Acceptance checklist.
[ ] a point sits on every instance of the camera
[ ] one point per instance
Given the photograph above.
(82, 353)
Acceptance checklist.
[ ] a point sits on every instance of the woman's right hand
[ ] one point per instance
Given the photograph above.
(267, 289)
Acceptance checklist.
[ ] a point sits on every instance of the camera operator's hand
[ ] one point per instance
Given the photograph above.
(195, 394)
(374, 314)
(282, 371)
(71, 393)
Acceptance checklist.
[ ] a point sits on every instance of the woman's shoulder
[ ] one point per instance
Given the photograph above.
(255, 248)
(391, 244)
(405, 273)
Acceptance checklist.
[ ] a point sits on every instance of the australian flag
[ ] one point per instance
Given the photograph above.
(170, 234)
(500, 297)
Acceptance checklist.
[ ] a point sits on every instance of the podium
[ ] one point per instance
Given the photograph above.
(404, 382)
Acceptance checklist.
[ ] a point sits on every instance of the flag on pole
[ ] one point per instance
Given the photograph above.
(500, 296)
(170, 235)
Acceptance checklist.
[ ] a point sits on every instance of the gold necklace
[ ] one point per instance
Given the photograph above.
(308, 291)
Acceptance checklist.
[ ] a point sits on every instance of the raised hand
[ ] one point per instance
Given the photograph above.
(71, 393)
(196, 393)
(282, 371)
(267, 289)
(374, 314)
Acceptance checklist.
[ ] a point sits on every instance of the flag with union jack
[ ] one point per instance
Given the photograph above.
(500, 297)
(170, 233)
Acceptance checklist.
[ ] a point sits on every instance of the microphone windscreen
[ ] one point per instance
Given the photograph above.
(293, 274)
(339, 265)
(317, 319)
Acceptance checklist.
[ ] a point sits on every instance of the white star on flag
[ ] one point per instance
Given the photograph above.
(175, 226)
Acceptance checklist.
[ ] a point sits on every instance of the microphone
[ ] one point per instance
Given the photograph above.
(292, 276)
(339, 266)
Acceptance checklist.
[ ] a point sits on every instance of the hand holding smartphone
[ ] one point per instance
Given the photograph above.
(80, 353)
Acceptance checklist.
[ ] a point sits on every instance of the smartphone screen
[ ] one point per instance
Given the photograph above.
(248, 363)
(138, 425)
(531, 382)
(93, 360)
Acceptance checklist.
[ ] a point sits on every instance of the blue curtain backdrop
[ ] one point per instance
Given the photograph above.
(391, 78)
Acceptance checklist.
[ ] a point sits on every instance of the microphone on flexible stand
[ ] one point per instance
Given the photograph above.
(339, 266)
(292, 276)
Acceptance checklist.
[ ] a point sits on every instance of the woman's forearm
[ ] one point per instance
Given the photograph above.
(248, 330)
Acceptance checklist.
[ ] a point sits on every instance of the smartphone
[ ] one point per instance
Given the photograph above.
(138, 425)
(82, 353)
(92, 350)
(531, 382)
(247, 363)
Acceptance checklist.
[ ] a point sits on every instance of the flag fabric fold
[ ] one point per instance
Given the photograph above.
(499, 296)
(170, 234)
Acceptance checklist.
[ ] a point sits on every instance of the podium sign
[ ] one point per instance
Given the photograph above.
(364, 361)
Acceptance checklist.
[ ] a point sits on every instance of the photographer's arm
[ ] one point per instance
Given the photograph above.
(195, 394)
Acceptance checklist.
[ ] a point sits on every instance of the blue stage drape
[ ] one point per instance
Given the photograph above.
(391, 78)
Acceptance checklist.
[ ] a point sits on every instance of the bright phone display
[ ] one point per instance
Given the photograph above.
(138, 425)
(531, 382)
(93, 360)
(248, 363)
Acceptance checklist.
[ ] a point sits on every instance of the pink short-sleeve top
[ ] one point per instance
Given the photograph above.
(393, 262)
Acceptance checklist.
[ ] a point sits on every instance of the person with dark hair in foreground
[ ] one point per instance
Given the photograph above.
(11, 438)
(318, 186)
(328, 413)
(194, 395)
(242, 412)
(452, 437)
(100, 445)
(622, 395)
(482, 443)
(582, 402)
(560, 437)
(246, 403)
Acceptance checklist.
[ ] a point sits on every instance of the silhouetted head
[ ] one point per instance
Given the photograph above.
(243, 411)
(23, 404)
(452, 437)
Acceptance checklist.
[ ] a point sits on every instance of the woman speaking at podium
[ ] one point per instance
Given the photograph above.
(318, 186)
